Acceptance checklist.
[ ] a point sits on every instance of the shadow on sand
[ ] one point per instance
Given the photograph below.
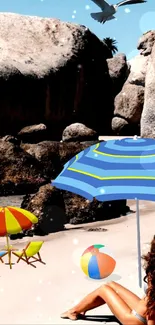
(100, 318)
(112, 277)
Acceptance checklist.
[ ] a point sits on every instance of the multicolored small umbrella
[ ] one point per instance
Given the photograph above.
(113, 170)
(12, 221)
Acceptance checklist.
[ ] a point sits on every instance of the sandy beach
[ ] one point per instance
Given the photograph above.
(38, 296)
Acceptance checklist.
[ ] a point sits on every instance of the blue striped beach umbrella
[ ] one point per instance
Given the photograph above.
(113, 170)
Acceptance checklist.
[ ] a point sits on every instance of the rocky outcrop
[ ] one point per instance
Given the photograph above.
(146, 42)
(20, 173)
(148, 114)
(47, 154)
(128, 104)
(55, 208)
(119, 125)
(128, 107)
(79, 210)
(63, 84)
(33, 133)
(48, 206)
(52, 155)
(71, 92)
(71, 81)
(79, 132)
(118, 71)
(138, 67)
(70, 149)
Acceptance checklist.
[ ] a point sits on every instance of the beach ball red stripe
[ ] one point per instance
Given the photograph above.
(89, 249)
(13, 220)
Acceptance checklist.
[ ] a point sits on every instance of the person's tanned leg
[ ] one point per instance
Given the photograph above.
(118, 307)
(129, 297)
(95, 301)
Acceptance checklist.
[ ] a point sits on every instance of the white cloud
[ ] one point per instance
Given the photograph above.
(127, 10)
(87, 7)
(74, 11)
(73, 16)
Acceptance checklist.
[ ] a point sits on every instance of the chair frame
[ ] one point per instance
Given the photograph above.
(26, 259)
(1, 257)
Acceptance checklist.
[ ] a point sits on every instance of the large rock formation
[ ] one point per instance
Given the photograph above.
(71, 91)
(148, 115)
(70, 81)
(118, 71)
(146, 42)
(128, 104)
(52, 72)
(138, 66)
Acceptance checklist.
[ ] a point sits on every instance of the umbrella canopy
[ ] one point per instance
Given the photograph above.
(12, 221)
(112, 170)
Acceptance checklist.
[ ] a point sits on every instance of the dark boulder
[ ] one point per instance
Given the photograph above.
(20, 173)
(79, 210)
(52, 155)
(52, 72)
(33, 133)
(118, 71)
(55, 208)
(48, 205)
(79, 132)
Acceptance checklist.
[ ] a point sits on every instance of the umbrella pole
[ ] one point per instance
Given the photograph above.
(9, 252)
(138, 244)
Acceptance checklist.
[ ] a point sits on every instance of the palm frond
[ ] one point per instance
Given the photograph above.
(111, 44)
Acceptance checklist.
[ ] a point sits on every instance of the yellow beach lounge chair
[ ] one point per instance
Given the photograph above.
(28, 253)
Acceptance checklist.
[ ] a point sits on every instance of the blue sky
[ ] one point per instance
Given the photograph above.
(132, 20)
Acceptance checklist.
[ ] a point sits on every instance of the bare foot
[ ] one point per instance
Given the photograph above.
(70, 314)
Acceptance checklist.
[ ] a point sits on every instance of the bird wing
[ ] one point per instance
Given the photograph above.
(100, 17)
(111, 17)
(129, 2)
(102, 4)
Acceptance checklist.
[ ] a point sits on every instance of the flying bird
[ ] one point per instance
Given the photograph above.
(108, 10)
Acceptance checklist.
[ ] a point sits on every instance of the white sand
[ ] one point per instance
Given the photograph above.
(38, 296)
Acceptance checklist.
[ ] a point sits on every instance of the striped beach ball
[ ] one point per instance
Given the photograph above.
(97, 262)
